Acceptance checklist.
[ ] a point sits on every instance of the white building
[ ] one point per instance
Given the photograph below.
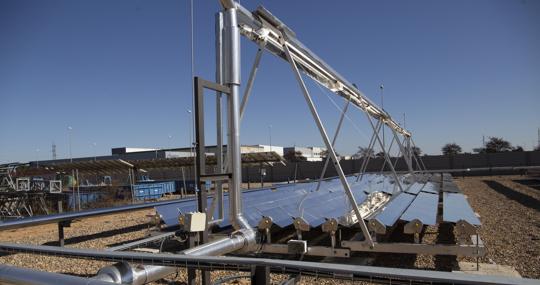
(311, 153)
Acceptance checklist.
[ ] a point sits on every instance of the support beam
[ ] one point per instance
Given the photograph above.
(385, 154)
(326, 140)
(369, 150)
(336, 134)
(251, 79)
(260, 275)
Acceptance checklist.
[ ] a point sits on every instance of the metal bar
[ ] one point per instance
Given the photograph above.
(365, 162)
(419, 158)
(231, 60)
(276, 265)
(402, 150)
(386, 156)
(389, 150)
(249, 85)
(329, 146)
(201, 161)
(256, 29)
(261, 275)
(49, 219)
(137, 243)
(414, 248)
(22, 276)
(219, 108)
(338, 128)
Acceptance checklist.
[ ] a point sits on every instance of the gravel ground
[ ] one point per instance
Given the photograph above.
(510, 215)
(508, 210)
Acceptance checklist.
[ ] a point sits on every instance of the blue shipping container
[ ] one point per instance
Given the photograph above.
(153, 190)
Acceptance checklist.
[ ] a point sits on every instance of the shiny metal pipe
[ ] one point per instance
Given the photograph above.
(23, 276)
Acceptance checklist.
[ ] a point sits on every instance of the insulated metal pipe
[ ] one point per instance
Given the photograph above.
(231, 59)
(23, 276)
(124, 273)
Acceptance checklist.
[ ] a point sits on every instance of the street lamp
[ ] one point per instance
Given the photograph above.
(69, 128)
(94, 150)
(270, 135)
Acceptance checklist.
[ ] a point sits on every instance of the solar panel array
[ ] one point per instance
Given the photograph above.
(284, 203)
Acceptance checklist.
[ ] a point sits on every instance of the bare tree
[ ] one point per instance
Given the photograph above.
(451, 149)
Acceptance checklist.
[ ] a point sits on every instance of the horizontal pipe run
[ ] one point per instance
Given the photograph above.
(22, 276)
(284, 266)
(50, 219)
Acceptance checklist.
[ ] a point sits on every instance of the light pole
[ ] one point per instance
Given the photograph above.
(69, 128)
(381, 87)
(37, 157)
(94, 150)
(170, 141)
(270, 135)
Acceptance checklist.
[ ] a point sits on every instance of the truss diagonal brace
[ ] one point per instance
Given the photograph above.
(326, 140)
(251, 79)
(327, 159)
(386, 157)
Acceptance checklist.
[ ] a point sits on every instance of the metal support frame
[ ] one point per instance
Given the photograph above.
(326, 140)
(365, 161)
(200, 181)
(249, 85)
(386, 157)
(338, 128)
(61, 226)
(260, 275)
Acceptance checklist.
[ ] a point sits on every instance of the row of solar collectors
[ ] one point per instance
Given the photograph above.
(289, 201)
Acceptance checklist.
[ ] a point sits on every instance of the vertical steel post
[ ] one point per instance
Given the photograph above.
(231, 76)
(200, 164)
(327, 142)
(260, 275)
(219, 124)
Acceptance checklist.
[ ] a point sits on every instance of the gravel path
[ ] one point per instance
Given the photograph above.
(510, 213)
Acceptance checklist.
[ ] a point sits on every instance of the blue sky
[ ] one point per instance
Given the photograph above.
(119, 72)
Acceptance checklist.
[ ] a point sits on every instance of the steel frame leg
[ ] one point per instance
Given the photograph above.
(327, 142)
(403, 151)
(333, 142)
(251, 79)
(389, 150)
(365, 162)
(260, 275)
(385, 153)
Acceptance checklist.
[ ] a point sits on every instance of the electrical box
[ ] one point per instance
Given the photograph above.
(195, 222)
(297, 246)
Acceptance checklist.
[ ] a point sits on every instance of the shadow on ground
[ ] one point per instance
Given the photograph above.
(512, 194)
(533, 183)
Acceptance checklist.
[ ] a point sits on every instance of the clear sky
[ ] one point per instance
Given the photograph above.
(119, 72)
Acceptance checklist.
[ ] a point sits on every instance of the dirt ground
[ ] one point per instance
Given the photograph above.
(509, 208)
